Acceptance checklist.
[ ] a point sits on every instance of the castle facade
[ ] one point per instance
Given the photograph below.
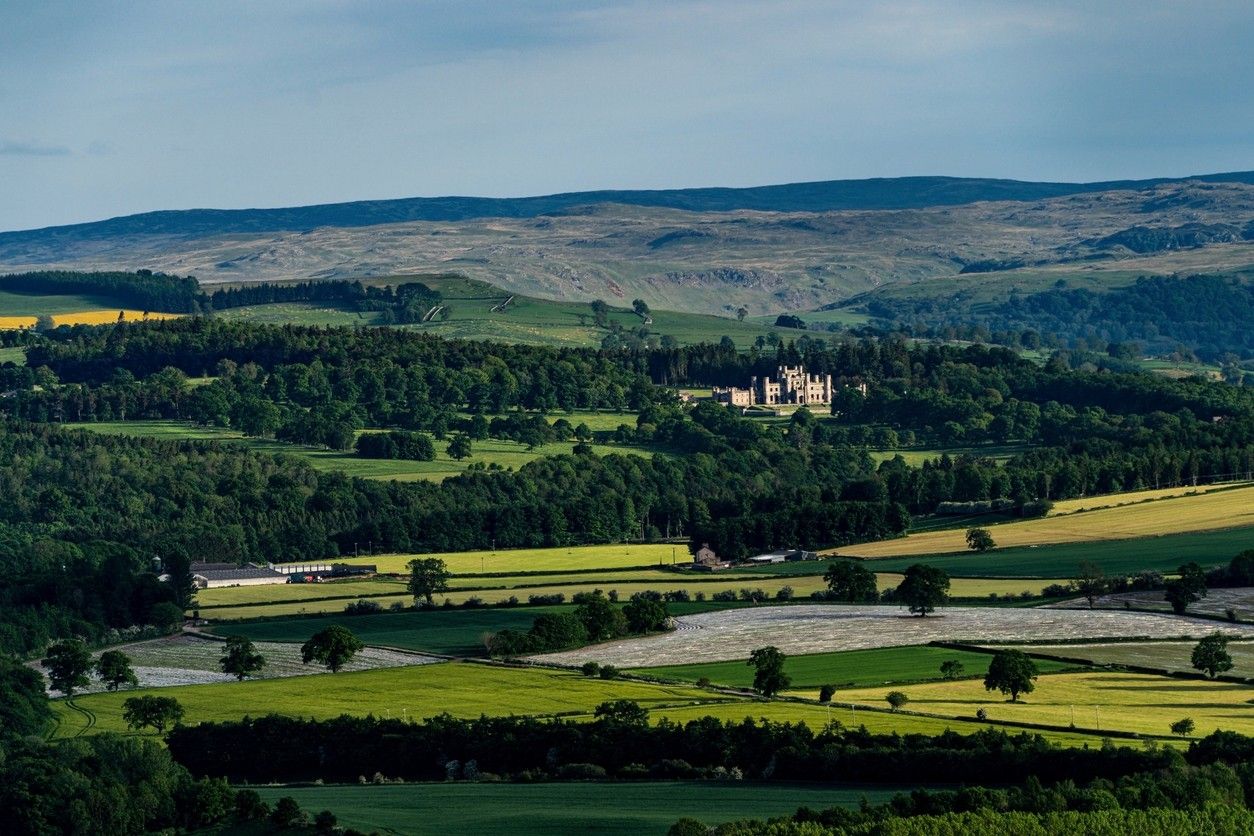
(791, 386)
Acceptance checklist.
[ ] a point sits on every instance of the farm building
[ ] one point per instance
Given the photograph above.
(213, 575)
(782, 555)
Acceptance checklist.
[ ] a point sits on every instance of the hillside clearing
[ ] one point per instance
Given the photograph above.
(718, 636)
(508, 454)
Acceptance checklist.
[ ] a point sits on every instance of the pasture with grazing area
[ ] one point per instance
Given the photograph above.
(847, 669)
(805, 628)
(463, 689)
(1203, 512)
(15, 355)
(637, 808)
(509, 454)
(1103, 701)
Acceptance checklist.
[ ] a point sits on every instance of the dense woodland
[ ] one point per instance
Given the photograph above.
(1209, 315)
(83, 505)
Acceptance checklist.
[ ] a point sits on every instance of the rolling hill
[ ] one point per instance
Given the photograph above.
(770, 249)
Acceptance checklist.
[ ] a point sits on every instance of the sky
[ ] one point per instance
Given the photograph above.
(112, 108)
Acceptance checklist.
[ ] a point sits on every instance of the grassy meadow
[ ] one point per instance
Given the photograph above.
(463, 689)
(647, 808)
(850, 668)
(1163, 553)
(1104, 701)
(508, 454)
(16, 356)
(476, 310)
(1203, 512)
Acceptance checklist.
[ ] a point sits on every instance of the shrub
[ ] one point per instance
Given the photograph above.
(590, 669)
(784, 593)
(581, 772)
(608, 672)
(363, 607)
(703, 682)
(547, 600)
(826, 693)
(725, 595)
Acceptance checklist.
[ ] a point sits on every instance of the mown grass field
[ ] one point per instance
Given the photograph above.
(566, 559)
(463, 689)
(1115, 557)
(1204, 512)
(16, 356)
(1100, 700)
(850, 668)
(509, 454)
(1114, 500)
(647, 808)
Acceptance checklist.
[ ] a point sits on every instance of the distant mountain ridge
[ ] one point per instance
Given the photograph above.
(822, 196)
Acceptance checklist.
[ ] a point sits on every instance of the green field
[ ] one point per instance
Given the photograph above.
(1103, 701)
(606, 808)
(474, 311)
(509, 454)
(17, 356)
(451, 632)
(916, 457)
(34, 304)
(1116, 557)
(844, 669)
(463, 689)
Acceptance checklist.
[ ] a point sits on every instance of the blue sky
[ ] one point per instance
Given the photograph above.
(110, 108)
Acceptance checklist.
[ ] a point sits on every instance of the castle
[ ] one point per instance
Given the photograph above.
(793, 386)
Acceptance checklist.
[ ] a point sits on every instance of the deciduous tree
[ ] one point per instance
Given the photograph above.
(332, 647)
(1011, 672)
(241, 658)
(768, 671)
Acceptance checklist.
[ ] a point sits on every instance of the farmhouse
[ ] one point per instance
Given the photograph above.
(791, 386)
(706, 560)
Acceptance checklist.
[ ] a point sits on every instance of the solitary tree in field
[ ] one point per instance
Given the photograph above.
(741, 313)
(157, 712)
(68, 663)
(241, 658)
(896, 699)
(924, 588)
(1091, 582)
(951, 669)
(459, 447)
(1011, 672)
(114, 669)
(332, 647)
(848, 580)
(428, 576)
(979, 540)
(826, 693)
(1184, 727)
(768, 671)
(1211, 655)
(1189, 588)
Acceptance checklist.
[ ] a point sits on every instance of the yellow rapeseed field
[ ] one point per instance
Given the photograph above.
(1203, 512)
(84, 318)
